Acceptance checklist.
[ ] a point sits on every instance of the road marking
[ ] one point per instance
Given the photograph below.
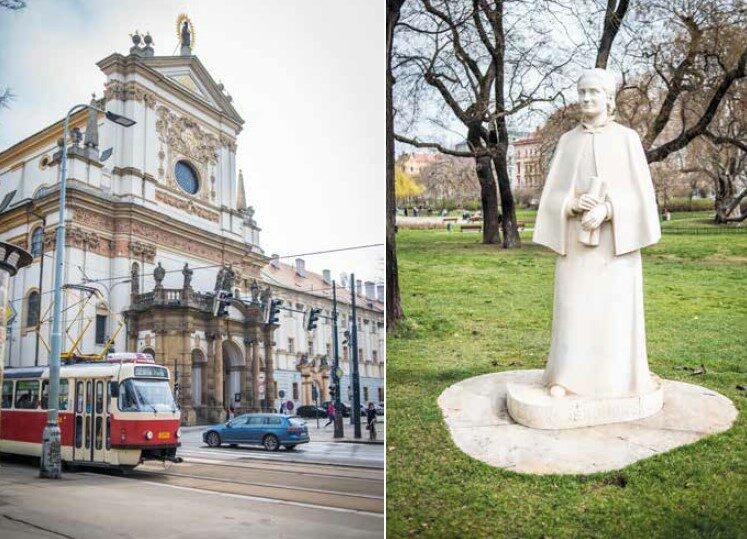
(262, 499)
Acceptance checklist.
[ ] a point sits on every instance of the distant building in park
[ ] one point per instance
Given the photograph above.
(413, 163)
(526, 162)
(143, 202)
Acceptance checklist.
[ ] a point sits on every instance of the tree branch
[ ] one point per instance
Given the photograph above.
(478, 152)
(612, 21)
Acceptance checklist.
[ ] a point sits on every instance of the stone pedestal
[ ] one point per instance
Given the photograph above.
(477, 417)
(530, 404)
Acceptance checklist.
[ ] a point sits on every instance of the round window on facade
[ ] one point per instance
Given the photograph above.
(186, 177)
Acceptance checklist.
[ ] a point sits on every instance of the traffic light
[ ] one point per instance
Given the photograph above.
(345, 337)
(273, 316)
(313, 319)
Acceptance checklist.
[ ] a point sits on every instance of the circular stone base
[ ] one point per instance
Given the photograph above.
(532, 405)
(475, 412)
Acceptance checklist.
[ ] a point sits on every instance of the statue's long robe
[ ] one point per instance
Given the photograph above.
(598, 335)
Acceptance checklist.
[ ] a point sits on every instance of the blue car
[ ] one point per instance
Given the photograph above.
(269, 430)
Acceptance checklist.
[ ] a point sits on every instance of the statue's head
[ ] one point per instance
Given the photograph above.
(596, 92)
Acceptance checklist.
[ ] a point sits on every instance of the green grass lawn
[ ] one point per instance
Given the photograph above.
(474, 309)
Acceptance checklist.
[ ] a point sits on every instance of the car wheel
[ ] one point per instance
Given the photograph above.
(271, 442)
(213, 439)
(290, 447)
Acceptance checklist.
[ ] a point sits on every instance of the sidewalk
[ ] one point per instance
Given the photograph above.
(327, 434)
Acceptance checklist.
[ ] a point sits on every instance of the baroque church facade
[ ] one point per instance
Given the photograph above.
(157, 224)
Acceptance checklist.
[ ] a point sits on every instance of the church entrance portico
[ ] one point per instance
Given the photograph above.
(233, 373)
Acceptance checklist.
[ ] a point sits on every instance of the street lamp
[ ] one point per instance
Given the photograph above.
(51, 461)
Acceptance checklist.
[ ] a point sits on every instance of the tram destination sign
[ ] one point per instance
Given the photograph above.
(152, 371)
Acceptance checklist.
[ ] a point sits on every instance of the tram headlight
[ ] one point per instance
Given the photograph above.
(149, 435)
(179, 433)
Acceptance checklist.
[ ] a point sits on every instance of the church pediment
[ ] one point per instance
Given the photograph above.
(183, 74)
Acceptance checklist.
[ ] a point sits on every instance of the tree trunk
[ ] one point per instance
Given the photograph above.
(488, 191)
(489, 197)
(394, 311)
(498, 137)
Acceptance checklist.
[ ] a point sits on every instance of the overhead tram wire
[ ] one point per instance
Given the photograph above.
(211, 266)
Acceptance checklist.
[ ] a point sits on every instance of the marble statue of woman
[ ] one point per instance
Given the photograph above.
(597, 211)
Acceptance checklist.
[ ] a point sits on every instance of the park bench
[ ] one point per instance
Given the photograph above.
(475, 226)
(450, 219)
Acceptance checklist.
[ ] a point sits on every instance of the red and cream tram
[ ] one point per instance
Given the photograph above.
(117, 412)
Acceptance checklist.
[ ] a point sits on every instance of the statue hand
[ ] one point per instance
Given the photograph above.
(585, 203)
(594, 217)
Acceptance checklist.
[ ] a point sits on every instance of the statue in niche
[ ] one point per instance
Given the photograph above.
(265, 296)
(597, 211)
(229, 279)
(187, 273)
(158, 274)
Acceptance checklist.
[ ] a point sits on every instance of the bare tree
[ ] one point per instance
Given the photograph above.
(394, 311)
(6, 96)
(482, 66)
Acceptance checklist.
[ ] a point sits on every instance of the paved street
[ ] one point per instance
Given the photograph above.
(200, 498)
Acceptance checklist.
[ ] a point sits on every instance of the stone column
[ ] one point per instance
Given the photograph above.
(306, 389)
(270, 383)
(248, 389)
(218, 411)
(256, 405)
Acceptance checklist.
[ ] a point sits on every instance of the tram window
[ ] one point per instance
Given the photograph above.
(99, 397)
(88, 431)
(79, 431)
(89, 398)
(63, 396)
(99, 434)
(27, 394)
(7, 393)
(79, 398)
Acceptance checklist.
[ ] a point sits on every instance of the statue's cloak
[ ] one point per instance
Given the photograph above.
(620, 162)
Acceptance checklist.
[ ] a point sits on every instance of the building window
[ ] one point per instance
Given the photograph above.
(33, 307)
(311, 347)
(101, 320)
(374, 356)
(360, 354)
(345, 354)
(186, 177)
(329, 350)
(365, 394)
(295, 391)
(290, 345)
(381, 394)
(37, 241)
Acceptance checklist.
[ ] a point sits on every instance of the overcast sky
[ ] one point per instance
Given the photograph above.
(306, 76)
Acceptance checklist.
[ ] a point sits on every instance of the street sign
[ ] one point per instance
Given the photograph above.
(289, 406)
(281, 393)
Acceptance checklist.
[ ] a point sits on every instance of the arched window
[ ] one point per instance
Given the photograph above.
(37, 241)
(33, 308)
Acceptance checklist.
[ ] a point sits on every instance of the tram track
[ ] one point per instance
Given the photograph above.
(300, 484)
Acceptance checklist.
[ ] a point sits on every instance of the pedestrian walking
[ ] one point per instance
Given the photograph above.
(231, 412)
(330, 413)
(371, 421)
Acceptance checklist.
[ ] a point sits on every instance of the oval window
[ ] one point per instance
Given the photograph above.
(186, 177)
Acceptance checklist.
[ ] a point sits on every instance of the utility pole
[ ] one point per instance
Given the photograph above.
(356, 375)
(337, 374)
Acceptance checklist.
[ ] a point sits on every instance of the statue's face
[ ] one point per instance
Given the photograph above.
(592, 97)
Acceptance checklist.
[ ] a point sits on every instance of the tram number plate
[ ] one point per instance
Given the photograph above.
(163, 435)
